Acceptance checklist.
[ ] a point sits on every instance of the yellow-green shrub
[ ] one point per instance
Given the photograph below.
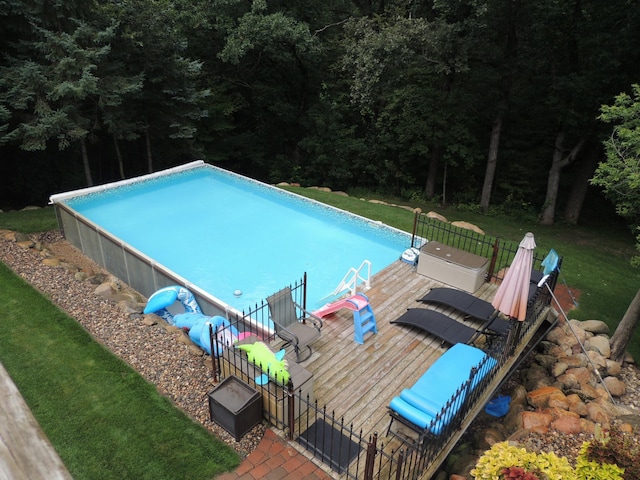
(549, 466)
(503, 455)
(591, 470)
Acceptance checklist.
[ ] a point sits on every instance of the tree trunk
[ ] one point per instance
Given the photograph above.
(580, 186)
(148, 145)
(553, 182)
(119, 157)
(492, 160)
(85, 162)
(622, 336)
(430, 186)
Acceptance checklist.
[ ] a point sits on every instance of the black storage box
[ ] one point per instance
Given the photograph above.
(235, 406)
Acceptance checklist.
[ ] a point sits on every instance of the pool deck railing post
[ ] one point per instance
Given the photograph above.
(213, 342)
(291, 414)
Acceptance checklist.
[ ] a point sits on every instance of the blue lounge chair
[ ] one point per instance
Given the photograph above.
(432, 404)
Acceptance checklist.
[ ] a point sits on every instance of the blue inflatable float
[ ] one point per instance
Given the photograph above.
(193, 320)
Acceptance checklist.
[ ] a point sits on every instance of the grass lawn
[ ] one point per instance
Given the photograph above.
(104, 420)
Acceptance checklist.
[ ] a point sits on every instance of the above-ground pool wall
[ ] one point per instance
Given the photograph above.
(124, 262)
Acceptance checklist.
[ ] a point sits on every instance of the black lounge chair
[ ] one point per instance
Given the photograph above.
(448, 329)
(469, 304)
(464, 302)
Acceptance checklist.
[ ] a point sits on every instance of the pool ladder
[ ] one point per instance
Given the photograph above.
(350, 280)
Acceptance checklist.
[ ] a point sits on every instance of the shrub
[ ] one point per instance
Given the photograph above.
(616, 451)
(507, 462)
(503, 456)
(517, 473)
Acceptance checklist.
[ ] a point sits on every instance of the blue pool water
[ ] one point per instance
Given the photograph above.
(223, 233)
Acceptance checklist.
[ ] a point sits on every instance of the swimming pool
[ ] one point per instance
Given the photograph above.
(221, 234)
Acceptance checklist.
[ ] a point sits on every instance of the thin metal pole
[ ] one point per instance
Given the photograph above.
(597, 372)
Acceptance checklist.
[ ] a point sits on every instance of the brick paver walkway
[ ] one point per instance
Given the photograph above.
(274, 459)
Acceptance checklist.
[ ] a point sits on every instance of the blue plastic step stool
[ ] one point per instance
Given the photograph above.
(363, 321)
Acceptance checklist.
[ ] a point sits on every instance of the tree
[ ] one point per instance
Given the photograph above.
(619, 177)
(272, 54)
(56, 85)
(405, 69)
(571, 47)
(152, 44)
(507, 18)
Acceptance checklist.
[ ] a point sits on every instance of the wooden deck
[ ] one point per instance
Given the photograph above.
(25, 452)
(356, 381)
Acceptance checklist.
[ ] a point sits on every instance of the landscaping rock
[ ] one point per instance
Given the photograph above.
(539, 398)
(558, 400)
(489, 437)
(150, 320)
(595, 326)
(536, 421)
(26, 244)
(615, 386)
(574, 361)
(579, 332)
(597, 360)
(558, 369)
(437, 216)
(468, 226)
(597, 414)
(81, 276)
(613, 368)
(600, 344)
(51, 262)
(567, 424)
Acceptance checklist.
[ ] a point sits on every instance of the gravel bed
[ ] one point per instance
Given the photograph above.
(177, 373)
(153, 351)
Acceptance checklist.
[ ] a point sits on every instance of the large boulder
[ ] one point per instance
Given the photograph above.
(536, 421)
(600, 344)
(616, 387)
(539, 398)
(580, 333)
(596, 327)
(567, 424)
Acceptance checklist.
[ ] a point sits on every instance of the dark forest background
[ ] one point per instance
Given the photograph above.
(487, 103)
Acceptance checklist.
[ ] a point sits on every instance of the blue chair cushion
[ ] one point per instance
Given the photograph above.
(411, 413)
(420, 402)
(427, 398)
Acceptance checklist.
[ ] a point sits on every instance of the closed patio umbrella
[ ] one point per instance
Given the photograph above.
(513, 293)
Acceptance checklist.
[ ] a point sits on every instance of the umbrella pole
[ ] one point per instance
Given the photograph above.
(597, 372)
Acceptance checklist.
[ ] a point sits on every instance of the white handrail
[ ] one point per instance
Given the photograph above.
(352, 283)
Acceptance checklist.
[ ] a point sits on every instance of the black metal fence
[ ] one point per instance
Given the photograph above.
(293, 408)
(499, 252)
